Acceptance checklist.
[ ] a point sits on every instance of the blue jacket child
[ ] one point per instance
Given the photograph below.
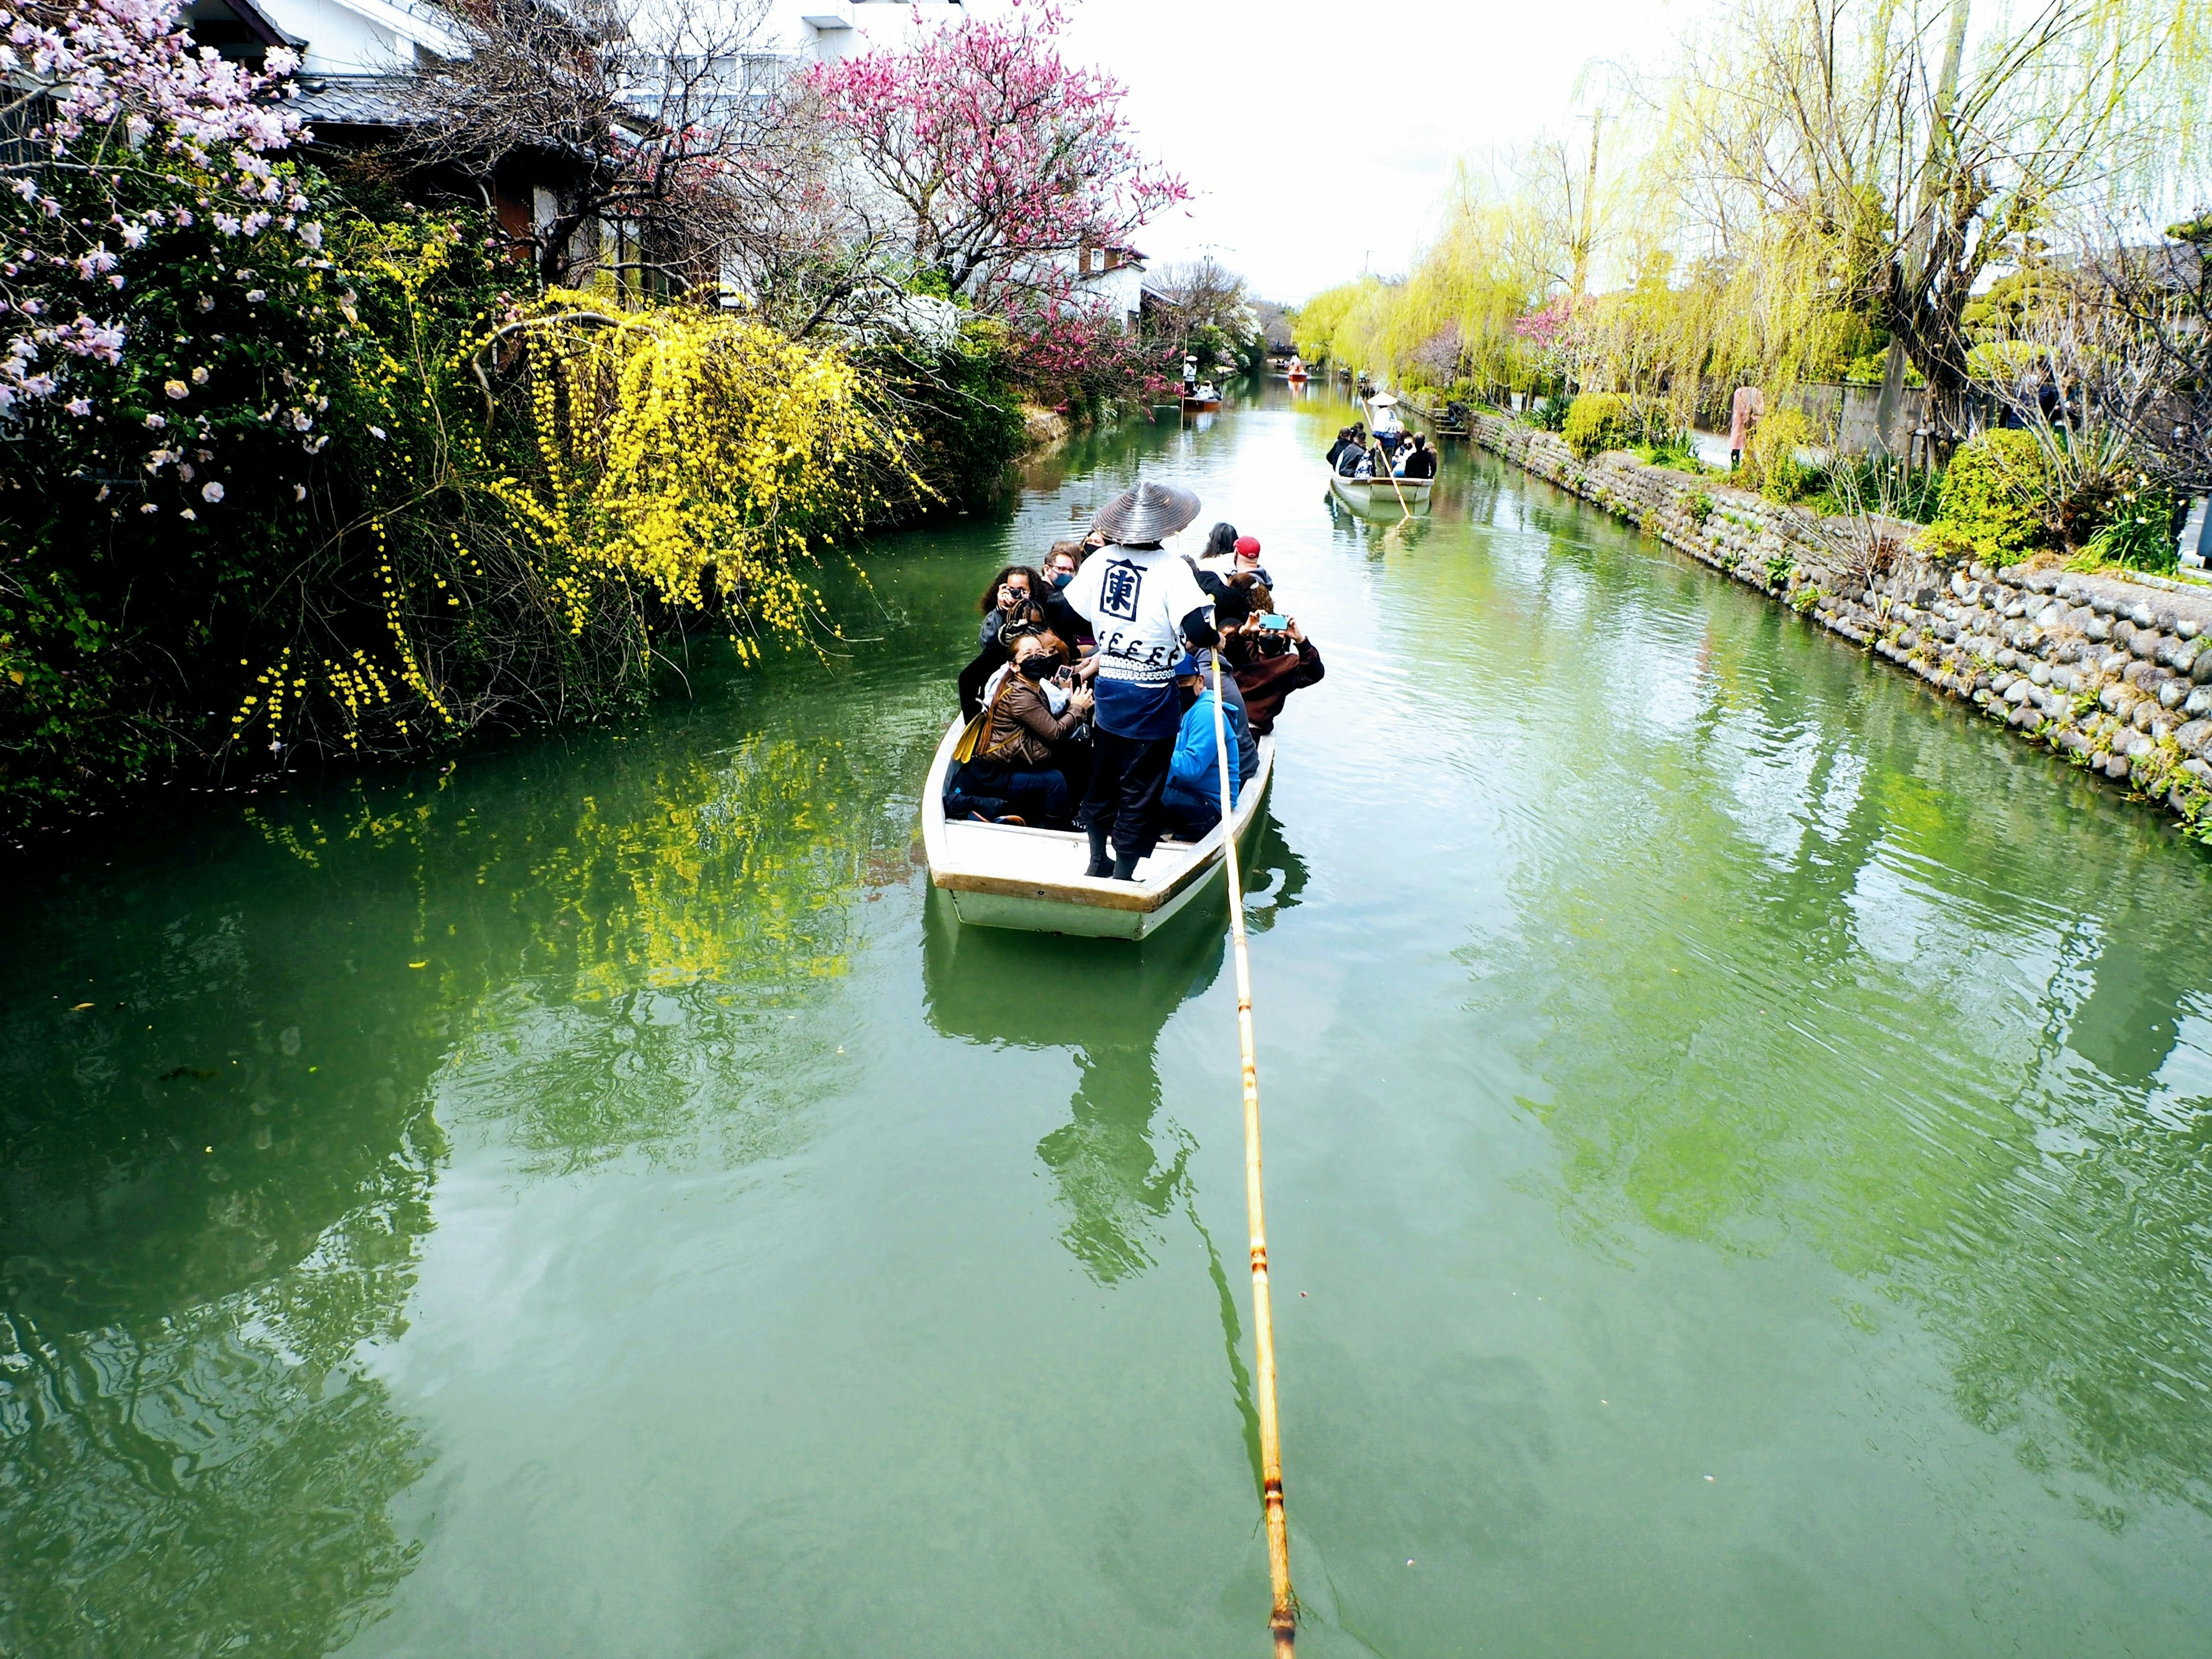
(1192, 801)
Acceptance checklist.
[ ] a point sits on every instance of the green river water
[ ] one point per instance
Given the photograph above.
(1737, 1137)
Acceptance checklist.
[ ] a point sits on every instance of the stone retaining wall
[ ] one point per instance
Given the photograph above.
(2113, 674)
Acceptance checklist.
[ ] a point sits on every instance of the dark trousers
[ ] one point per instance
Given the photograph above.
(1127, 780)
(1189, 817)
(995, 789)
(1039, 796)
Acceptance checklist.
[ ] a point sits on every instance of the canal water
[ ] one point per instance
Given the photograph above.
(1738, 1174)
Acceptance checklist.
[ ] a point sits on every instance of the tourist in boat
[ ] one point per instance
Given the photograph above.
(1220, 543)
(1061, 563)
(1010, 606)
(1248, 561)
(1145, 609)
(1421, 461)
(1344, 438)
(1270, 663)
(1013, 593)
(1013, 778)
(1191, 804)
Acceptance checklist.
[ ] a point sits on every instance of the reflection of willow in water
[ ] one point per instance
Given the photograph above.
(634, 959)
(216, 1481)
(215, 1179)
(1108, 1003)
(1798, 995)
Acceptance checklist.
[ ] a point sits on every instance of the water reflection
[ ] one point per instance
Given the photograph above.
(218, 1151)
(1108, 1005)
(197, 1235)
(1820, 973)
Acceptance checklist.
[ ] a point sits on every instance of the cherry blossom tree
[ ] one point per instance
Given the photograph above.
(128, 134)
(1002, 158)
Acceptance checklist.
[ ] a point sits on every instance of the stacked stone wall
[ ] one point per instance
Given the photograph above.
(2113, 674)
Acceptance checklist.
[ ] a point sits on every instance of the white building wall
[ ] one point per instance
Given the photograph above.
(363, 37)
(823, 31)
(1120, 291)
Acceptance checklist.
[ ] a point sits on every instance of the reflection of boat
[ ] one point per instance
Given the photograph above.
(1381, 495)
(1118, 1174)
(1002, 875)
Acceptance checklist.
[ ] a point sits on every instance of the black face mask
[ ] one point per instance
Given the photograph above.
(1039, 666)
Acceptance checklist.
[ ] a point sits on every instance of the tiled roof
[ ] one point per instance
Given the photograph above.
(361, 100)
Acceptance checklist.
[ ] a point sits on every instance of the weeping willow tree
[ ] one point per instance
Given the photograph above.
(1873, 160)
(1817, 188)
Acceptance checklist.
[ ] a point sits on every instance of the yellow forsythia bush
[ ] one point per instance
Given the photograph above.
(697, 456)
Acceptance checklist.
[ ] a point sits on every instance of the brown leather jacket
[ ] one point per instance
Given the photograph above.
(1020, 728)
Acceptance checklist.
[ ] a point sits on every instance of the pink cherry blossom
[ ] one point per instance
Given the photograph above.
(1003, 155)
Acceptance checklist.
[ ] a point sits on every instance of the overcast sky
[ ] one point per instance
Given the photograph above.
(1319, 138)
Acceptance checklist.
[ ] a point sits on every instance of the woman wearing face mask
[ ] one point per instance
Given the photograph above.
(1011, 603)
(1013, 778)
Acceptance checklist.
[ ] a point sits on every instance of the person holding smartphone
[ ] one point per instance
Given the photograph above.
(1271, 657)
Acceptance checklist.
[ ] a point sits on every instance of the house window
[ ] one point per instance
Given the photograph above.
(1099, 258)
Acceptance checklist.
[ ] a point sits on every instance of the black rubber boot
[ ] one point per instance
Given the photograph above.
(1099, 866)
(1125, 868)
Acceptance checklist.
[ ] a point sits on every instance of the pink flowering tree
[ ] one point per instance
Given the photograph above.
(1555, 340)
(1000, 161)
(1000, 154)
(132, 138)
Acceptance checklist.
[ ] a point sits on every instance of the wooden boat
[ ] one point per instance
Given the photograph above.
(1003, 875)
(1201, 405)
(1377, 495)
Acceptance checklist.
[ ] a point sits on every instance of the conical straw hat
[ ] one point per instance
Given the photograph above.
(1145, 514)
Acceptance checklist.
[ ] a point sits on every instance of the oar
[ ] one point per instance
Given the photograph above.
(1284, 1618)
(1397, 488)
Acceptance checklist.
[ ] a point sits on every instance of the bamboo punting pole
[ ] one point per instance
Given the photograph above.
(1397, 488)
(1282, 1619)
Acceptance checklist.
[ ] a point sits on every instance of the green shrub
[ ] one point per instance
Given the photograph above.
(1992, 500)
(1549, 414)
(1598, 421)
(2139, 532)
(1701, 508)
(1773, 465)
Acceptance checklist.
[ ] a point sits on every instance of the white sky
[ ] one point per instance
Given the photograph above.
(1318, 137)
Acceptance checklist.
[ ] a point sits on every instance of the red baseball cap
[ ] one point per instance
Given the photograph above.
(1247, 547)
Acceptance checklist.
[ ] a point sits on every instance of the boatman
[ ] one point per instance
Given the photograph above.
(1146, 610)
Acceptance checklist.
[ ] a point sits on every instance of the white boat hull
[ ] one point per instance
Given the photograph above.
(1008, 876)
(1377, 494)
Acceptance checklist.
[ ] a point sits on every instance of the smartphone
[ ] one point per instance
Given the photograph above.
(1272, 622)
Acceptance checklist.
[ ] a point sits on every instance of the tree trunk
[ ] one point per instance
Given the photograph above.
(1892, 371)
